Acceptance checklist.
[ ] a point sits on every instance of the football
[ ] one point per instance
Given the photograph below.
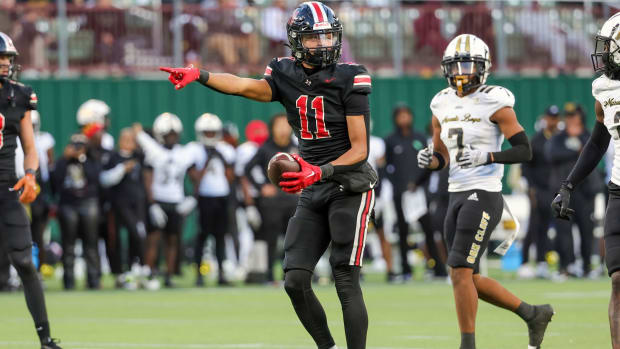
(280, 163)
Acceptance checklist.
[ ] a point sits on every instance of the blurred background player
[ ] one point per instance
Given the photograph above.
(328, 108)
(167, 162)
(470, 121)
(96, 112)
(402, 148)
(275, 206)
(537, 172)
(563, 150)
(15, 237)
(75, 180)
(256, 133)
(212, 176)
(123, 175)
(605, 89)
(376, 159)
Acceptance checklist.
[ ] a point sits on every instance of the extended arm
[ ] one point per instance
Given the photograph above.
(591, 155)
(593, 151)
(258, 90)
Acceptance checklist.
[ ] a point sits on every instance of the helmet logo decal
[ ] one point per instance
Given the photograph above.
(321, 26)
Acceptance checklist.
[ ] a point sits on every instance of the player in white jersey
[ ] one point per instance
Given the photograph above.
(249, 219)
(212, 176)
(376, 159)
(606, 92)
(470, 120)
(168, 205)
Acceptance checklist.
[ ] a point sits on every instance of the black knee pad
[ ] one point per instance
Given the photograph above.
(296, 281)
(22, 261)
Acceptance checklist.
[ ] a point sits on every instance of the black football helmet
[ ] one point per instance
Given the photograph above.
(8, 49)
(315, 34)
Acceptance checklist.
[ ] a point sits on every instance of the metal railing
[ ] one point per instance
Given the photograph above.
(393, 40)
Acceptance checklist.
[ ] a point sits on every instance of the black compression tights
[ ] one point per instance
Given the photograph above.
(22, 261)
(297, 283)
(353, 307)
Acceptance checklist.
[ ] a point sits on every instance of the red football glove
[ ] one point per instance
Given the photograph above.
(30, 188)
(296, 181)
(180, 77)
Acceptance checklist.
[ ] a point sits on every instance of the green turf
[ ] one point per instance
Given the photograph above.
(416, 315)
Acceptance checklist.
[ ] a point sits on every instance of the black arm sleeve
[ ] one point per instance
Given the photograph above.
(591, 155)
(520, 151)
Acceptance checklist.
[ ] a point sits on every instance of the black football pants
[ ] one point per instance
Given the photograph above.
(540, 219)
(80, 219)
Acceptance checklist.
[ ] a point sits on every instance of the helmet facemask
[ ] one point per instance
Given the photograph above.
(606, 56)
(319, 48)
(13, 68)
(210, 138)
(465, 73)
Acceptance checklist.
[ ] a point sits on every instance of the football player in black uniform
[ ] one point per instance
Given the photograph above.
(327, 106)
(16, 102)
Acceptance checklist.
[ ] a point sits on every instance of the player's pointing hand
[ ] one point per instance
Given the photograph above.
(180, 77)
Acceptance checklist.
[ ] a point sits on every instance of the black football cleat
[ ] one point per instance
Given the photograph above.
(51, 343)
(538, 325)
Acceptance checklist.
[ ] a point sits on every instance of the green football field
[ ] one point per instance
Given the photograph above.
(415, 315)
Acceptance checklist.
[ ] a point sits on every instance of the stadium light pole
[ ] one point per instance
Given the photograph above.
(63, 56)
(397, 38)
(497, 11)
(177, 33)
(156, 30)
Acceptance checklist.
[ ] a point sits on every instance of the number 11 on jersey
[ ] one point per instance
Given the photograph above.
(319, 117)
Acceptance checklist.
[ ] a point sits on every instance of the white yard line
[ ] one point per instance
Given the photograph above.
(88, 345)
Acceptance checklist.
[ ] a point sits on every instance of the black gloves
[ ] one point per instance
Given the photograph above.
(559, 205)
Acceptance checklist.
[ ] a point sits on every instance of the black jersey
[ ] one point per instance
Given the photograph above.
(131, 186)
(317, 104)
(15, 100)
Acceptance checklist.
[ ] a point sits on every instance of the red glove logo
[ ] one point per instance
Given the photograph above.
(296, 181)
(180, 77)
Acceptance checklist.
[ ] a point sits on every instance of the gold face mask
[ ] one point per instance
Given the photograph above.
(461, 80)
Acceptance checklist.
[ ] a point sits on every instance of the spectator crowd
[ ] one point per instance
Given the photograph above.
(122, 204)
(108, 37)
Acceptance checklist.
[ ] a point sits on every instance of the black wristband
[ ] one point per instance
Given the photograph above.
(441, 160)
(203, 77)
(327, 170)
(31, 171)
